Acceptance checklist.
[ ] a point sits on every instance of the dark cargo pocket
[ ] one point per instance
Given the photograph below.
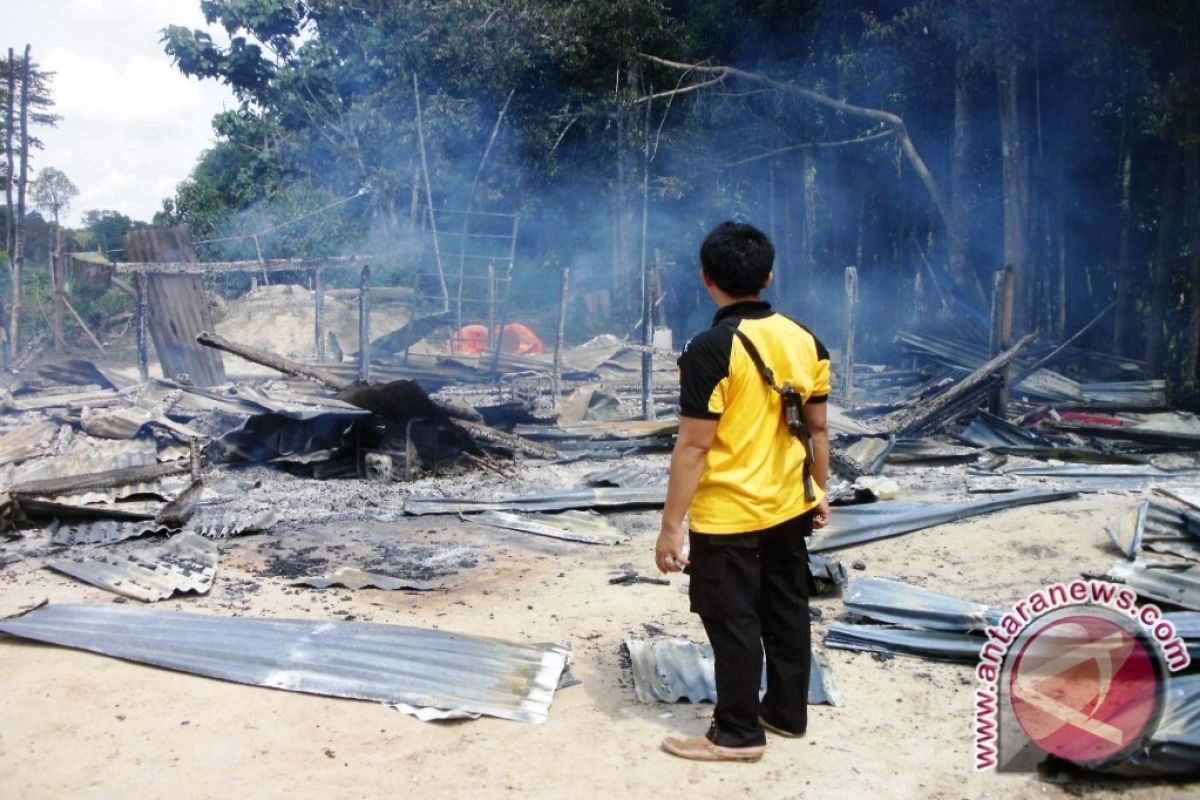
(707, 572)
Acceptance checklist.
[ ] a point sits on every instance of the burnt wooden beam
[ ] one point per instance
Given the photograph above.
(908, 420)
(209, 267)
(275, 362)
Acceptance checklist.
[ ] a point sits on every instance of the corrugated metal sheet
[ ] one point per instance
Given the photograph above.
(352, 578)
(222, 525)
(916, 451)
(670, 670)
(829, 574)
(903, 604)
(366, 661)
(599, 497)
(631, 474)
(1174, 748)
(574, 526)
(87, 456)
(1125, 475)
(26, 442)
(1178, 586)
(106, 532)
(988, 430)
(187, 563)
(935, 645)
(853, 525)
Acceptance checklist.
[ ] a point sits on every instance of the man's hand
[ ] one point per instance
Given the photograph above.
(821, 514)
(668, 550)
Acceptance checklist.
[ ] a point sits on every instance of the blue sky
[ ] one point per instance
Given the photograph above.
(132, 125)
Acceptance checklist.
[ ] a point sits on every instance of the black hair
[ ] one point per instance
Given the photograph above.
(737, 258)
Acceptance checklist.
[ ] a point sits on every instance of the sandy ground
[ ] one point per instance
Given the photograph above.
(81, 725)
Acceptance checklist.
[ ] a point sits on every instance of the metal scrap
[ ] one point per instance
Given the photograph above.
(630, 474)
(87, 456)
(597, 497)
(865, 523)
(390, 664)
(106, 532)
(1163, 583)
(888, 640)
(352, 578)
(587, 527)
(231, 523)
(670, 670)
(903, 604)
(26, 442)
(187, 563)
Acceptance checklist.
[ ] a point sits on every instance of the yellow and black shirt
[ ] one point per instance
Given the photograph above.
(753, 476)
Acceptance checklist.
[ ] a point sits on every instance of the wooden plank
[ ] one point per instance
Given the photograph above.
(166, 266)
(177, 306)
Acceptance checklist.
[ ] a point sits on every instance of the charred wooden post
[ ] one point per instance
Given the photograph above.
(1003, 285)
(437, 247)
(275, 362)
(143, 355)
(59, 278)
(851, 324)
(318, 275)
(67, 304)
(364, 324)
(491, 302)
(503, 314)
(647, 284)
(563, 300)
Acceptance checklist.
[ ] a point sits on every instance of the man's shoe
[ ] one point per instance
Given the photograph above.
(700, 748)
(779, 731)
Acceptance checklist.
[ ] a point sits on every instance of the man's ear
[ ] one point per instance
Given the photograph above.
(770, 279)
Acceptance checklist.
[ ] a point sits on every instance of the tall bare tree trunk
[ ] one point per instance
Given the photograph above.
(962, 273)
(1015, 171)
(808, 173)
(1122, 329)
(9, 116)
(18, 257)
(1191, 382)
(1156, 330)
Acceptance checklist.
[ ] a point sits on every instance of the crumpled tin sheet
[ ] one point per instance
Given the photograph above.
(390, 664)
(596, 497)
(1178, 586)
(670, 670)
(166, 488)
(632, 474)
(1125, 476)
(352, 578)
(886, 600)
(886, 639)
(600, 429)
(574, 526)
(223, 525)
(106, 532)
(988, 430)
(868, 452)
(828, 573)
(87, 456)
(853, 525)
(26, 442)
(187, 563)
(1174, 748)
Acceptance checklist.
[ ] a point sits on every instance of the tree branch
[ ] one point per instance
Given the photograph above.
(894, 121)
(870, 137)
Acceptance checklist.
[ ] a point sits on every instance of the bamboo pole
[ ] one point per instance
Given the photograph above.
(61, 297)
(437, 247)
(319, 312)
(647, 300)
(851, 324)
(143, 354)
(364, 324)
(275, 362)
(563, 301)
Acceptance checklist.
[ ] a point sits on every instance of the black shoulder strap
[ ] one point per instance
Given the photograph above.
(763, 369)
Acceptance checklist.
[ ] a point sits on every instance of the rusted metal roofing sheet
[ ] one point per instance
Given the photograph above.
(670, 670)
(853, 525)
(367, 661)
(574, 526)
(187, 563)
(352, 578)
(597, 497)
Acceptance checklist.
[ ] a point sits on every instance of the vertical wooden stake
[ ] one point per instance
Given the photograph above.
(364, 324)
(491, 303)
(1003, 295)
(59, 279)
(562, 325)
(143, 355)
(647, 290)
(851, 324)
(319, 312)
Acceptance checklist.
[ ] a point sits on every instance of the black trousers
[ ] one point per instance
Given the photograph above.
(751, 592)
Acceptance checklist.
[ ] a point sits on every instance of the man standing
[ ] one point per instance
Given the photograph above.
(739, 474)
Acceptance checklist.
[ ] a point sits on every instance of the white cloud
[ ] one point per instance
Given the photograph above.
(133, 126)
